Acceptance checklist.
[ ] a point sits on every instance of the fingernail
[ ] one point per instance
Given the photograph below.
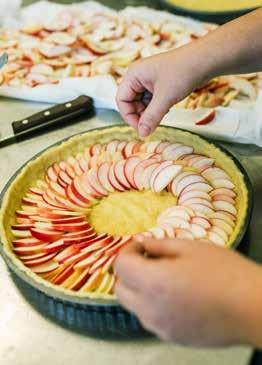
(144, 130)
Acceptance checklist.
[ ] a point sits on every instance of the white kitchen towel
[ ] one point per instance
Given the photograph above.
(241, 124)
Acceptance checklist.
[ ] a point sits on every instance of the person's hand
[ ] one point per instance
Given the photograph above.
(154, 84)
(191, 292)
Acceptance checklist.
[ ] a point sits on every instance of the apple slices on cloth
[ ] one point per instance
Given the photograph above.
(69, 212)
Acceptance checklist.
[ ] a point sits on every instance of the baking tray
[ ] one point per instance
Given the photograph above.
(96, 317)
(219, 17)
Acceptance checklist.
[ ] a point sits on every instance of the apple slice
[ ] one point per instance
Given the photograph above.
(162, 145)
(113, 181)
(223, 191)
(206, 118)
(129, 169)
(176, 222)
(198, 201)
(80, 193)
(216, 238)
(46, 267)
(183, 234)
(224, 205)
(116, 248)
(198, 231)
(222, 224)
(21, 233)
(92, 46)
(200, 186)
(169, 230)
(33, 257)
(95, 184)
(55, 246)
(39, 261)
(213, 173)
(63, 275)
(63, 178)
(203, 163)
(83, 233)
(183, 180)
(37, 191)
(158, 232)
(131, 148)
(119, 170)
(150, 146)
(81, 239)
(31, 250)
(66, 253)
(201, 221)
(93, 281)
(48, 50)
(225, 216)
(45, 235)
(99, 263)
(103, 176)
(29, 201)
(20, 220)
(164, 177)
(224, 197)
(24, 213)
(51, 173)
(81, 280)
(222, 183)
(95, 243)
(220, 232)
(146, 175)
(22, 227)
(168, 151)
(74, 199)
(184, 196)
(108, 265)
(26, 242)
(201, 208)
(139, 170)
(112, 146)
(87, 260)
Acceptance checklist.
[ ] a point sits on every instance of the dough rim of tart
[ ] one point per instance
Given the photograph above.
(36, 167)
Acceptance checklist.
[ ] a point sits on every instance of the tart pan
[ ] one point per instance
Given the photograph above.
(98, 317)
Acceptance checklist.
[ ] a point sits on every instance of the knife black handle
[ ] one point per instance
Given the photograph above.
(59, 113)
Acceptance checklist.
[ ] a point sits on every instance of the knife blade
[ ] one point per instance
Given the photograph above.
(3, 59)
(55, 116)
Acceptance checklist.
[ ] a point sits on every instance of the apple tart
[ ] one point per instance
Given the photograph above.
(68, 213)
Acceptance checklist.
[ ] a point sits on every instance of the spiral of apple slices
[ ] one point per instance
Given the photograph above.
(52, 234)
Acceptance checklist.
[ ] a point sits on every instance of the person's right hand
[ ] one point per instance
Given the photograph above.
(154, 84)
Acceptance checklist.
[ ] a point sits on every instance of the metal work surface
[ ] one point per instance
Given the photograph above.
(29, 338)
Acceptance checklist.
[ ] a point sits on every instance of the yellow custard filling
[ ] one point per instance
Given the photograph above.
(216, 5)
(129, 212)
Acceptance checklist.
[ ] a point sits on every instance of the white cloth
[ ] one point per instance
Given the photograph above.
(238, 124)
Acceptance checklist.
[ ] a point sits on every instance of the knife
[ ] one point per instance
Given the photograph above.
(3, 60)
(55, 116)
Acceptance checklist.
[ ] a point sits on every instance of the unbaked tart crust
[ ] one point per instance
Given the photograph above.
(69, 211)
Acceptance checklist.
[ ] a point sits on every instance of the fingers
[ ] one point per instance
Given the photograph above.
(133, 268)
(128, 297)
(155, 111)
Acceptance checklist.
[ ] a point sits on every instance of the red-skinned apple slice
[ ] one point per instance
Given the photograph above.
(81, 280)
(198, 201)
(129, 169)
(74, 199)
(55, 246)
(198, 231)
(51, 173)
(161, 166)
(98, 189)
(201, 221)
(169, 150)
(222, 183)
(111, 147)
(203, 163)
(119, 170)
(95, 243)
(79, 234)
(227, 217)
(80, 239)
(223, 191)
(216, 222)
(24, 214)
(131, 148)
(80, 192)
(29, 250)
(26, 242)
(29, 201)
(180, 151)
(37, 191)
(113, 181)
(62, 276)
(146, 175)
(183, 234)
(100, 262)
(64, 178)
(66, 253)
(46, 267)
(45, 235)
(118, 246)
(216, 238)
(188, 179)
(24, 220)
(107, 266)
(57, 189)
(224, 197)
(193, 194)
(103, 176)
(225, 206)
(164, 177)
(201, 186)
(22, 227)
(87, 261)
(206, 118)
(150, 146)
(162, 145)
(21, 233)
(202, 208)
(39, 261)
(92, 46)
(139, 170)
(213, 173)
(92, 282)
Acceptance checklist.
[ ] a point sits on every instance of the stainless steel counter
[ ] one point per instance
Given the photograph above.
(28, 338)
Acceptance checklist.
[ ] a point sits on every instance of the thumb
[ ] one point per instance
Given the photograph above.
(154, 112)
(165, 248)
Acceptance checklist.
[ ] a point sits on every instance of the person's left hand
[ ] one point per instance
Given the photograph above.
(191, 292)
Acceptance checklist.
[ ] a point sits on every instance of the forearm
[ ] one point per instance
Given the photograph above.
(235, 47)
